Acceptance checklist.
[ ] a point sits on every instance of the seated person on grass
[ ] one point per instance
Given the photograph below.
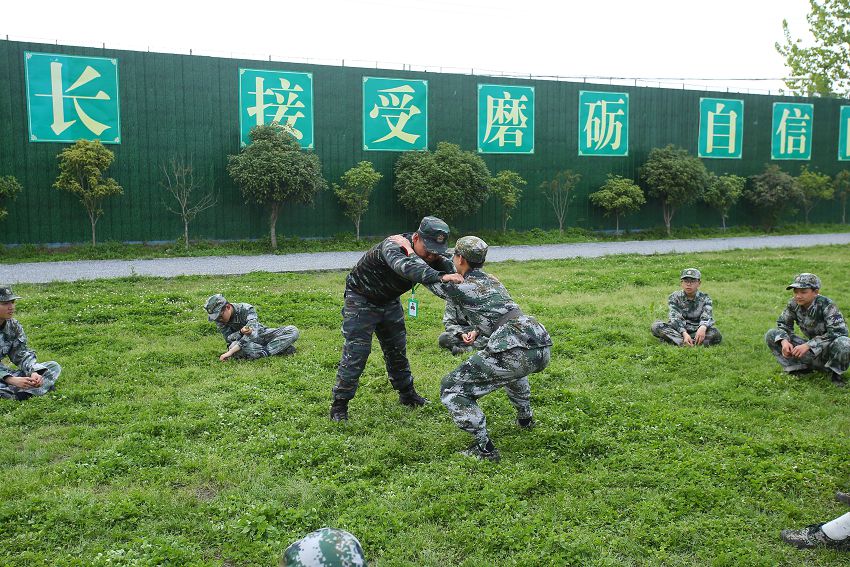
(691, 317)
(827, 348)
(245, 336)
(31, 378)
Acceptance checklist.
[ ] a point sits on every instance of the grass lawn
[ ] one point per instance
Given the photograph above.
(152, 452)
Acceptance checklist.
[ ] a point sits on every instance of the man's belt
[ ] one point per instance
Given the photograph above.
(509, 316)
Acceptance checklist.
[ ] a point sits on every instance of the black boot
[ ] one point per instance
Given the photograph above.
(339, 410)
(837, 379)
(411, 399)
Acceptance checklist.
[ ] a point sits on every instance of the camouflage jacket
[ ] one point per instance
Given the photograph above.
(454, 321)
(483, 301)
(821, 323)
(13, 343)
(690, 314)
(244, 315)
(385, 272)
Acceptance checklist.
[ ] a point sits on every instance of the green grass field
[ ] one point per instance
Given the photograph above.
(152, 452)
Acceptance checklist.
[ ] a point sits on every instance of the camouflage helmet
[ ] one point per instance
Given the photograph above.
(327, 547)
(434, 233)
(6, 293)
(804, 281)
(215, 303)
(472, 248)
(691, 273)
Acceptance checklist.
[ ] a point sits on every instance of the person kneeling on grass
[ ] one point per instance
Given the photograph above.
(245, 336)
(834, 534)
(516, 345)
(691, 315)
(31, 378)
(828, 346)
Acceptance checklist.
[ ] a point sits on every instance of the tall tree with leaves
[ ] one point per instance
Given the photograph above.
(81, 170)
(357, 184)
(447, 183)
(813, 187)
(772, 194)
(674, 177)
(558, 192)
(617, 197)
(507, 187)
(822, 68)
(9, 189)
(842, 190)
(722, 193)
(182, 183)
(273, 171)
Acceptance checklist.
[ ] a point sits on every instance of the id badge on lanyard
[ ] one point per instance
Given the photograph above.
(413, 304)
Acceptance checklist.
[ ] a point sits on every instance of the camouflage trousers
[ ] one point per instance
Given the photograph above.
(835, 356)
(455, 344)
(49, 377)
(666, 332)
(360, 320)
(487, 371)
(270, 343)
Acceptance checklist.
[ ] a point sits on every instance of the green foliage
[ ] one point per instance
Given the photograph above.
(81, 170)
(841, 183)
(674, 177)
(813, 187)
(182, 184)
(722, 192)
(152, 452)
(558, 192)
(507, 187)
(618, 196)
(772, 194)
(273, 171)
(448, 183)
(357, 184)
(822, 68)
(9, 189)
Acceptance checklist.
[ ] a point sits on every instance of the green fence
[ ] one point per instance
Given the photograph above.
(188, 106)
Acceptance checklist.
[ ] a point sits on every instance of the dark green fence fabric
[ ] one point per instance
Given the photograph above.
(187, 106)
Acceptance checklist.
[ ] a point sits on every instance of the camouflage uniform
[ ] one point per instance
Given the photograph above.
(13, 343)
(821, 323)
(327, 547)
(517, 345)
(456, 325)
(688, 315)
(262, 341)
(372, 306)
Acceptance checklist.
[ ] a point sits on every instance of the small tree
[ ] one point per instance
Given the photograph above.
(181, 182)
(618, 196)
(842, 190)
(507, 186)
(447, 182)
(813, 187)
(357, 184)
(772, 194)
(559, 193)
(9, 189)
(81, 169)
(675, 177)
(722, 193)
(273, 170)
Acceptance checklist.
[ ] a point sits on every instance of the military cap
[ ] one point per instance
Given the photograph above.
(805, 280)
(434, 232)
(6, 293)
(214, 305)
(692, 273)
(472, 248)
(327, 547)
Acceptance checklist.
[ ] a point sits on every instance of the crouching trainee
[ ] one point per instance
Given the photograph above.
(245, 336)
(516, 345)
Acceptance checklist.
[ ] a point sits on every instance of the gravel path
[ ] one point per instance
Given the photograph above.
(44, 272)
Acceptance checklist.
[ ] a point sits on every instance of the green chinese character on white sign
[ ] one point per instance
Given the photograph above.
(284, 97)
(395, 114)
(71, 98)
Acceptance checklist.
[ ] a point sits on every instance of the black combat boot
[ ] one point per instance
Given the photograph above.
(411, 399)
(837, 379)
(339, 410)
(486, 453)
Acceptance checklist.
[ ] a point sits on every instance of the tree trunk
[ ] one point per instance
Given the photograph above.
(504, 223)
(617, 231)
(93, 219)
(275, 209)
(186, 233)
(561, 224)
(806, 213)
(723, 222)
(667, 210)
(357, 228)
